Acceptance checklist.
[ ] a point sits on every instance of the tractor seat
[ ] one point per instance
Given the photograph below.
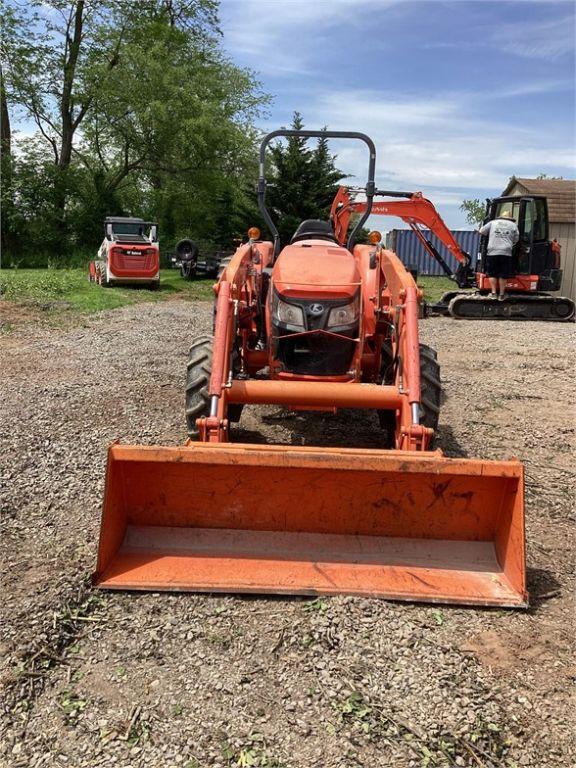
(313, 229)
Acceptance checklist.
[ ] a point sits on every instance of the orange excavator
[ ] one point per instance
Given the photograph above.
(537, 259)
(314, 324)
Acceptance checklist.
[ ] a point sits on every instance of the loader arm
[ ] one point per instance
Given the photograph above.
(417, 212)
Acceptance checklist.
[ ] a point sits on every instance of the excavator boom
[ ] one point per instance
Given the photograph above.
(525, 299)
(416, 211)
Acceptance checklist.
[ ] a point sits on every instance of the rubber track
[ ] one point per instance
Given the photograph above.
(542, 308)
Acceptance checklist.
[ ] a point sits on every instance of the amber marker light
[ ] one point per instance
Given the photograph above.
(375, 237)
(254, 233)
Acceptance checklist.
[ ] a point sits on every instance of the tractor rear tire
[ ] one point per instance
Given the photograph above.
(198, 372)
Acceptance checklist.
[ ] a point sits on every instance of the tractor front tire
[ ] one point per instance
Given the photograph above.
(197, 381)
(387, 419)
(430, 387)
(198, 372)
(430, 390)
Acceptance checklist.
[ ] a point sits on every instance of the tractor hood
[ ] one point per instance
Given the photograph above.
(315, 268)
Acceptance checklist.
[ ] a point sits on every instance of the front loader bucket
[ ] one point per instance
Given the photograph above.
(307, 521)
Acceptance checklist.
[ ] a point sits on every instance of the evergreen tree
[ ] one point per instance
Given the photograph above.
(303, 181)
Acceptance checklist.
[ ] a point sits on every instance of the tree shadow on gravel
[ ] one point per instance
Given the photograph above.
(447, 442)
(542, 586)
(347, 428)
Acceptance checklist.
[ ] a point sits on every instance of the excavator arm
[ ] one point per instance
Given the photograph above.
(417, 212)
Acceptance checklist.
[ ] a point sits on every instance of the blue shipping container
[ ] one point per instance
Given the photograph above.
(413, 254)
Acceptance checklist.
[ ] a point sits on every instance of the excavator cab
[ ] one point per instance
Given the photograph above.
(535, 254)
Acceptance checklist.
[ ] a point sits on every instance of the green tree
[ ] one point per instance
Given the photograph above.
(303, 181)
(178, 118)
(475, 211)
(138, 111)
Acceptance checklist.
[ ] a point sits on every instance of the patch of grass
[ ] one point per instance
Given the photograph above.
(319, 604)
(252, 754)
(59, 290)
(434, 287)
(138, 732)
(72, 706)
(485, 745)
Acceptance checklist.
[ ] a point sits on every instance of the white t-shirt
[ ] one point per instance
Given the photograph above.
(502, 236)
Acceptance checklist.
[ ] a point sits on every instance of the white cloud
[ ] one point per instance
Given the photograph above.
(436, 145)
(547, 40)
(282, 37)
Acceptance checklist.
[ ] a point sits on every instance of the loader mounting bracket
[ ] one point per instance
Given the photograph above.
(212, 429)
(418, 436)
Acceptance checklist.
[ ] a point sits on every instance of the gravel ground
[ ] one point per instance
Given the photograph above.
(105, 679)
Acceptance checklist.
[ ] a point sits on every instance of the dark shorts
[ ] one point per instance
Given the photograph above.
(499, 265)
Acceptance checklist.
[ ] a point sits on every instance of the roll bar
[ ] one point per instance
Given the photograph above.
(370, 186)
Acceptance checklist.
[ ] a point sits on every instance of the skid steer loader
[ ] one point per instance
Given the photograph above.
(314, 325)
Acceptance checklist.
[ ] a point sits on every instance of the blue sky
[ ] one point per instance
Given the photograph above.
(458, 95)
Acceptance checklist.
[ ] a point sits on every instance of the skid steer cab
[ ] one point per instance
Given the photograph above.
(314, 324)
(129, 254)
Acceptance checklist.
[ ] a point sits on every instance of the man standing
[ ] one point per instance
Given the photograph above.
(502, 235)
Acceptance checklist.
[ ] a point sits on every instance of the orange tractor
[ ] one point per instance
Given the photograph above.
(314, 325)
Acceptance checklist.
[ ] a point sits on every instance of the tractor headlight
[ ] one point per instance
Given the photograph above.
(289, 315)
(344, 316)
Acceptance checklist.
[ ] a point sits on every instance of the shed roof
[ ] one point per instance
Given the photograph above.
(560, 193)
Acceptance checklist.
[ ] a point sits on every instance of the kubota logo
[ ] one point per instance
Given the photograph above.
(316, 309)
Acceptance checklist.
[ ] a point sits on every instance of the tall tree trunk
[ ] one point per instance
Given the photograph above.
(5, 133)
(6, 170)
(74, 34)
(73, 43)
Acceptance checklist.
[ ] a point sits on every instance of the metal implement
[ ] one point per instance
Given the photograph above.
(276, 519)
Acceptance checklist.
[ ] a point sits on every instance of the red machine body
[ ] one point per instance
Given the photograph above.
(129, 253)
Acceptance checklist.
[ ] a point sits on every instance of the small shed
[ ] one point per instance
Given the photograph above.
(561, 196)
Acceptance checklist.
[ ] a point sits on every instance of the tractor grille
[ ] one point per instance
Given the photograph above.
(316, 354)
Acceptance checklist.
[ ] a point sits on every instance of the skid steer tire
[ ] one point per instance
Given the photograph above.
(198, 370)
